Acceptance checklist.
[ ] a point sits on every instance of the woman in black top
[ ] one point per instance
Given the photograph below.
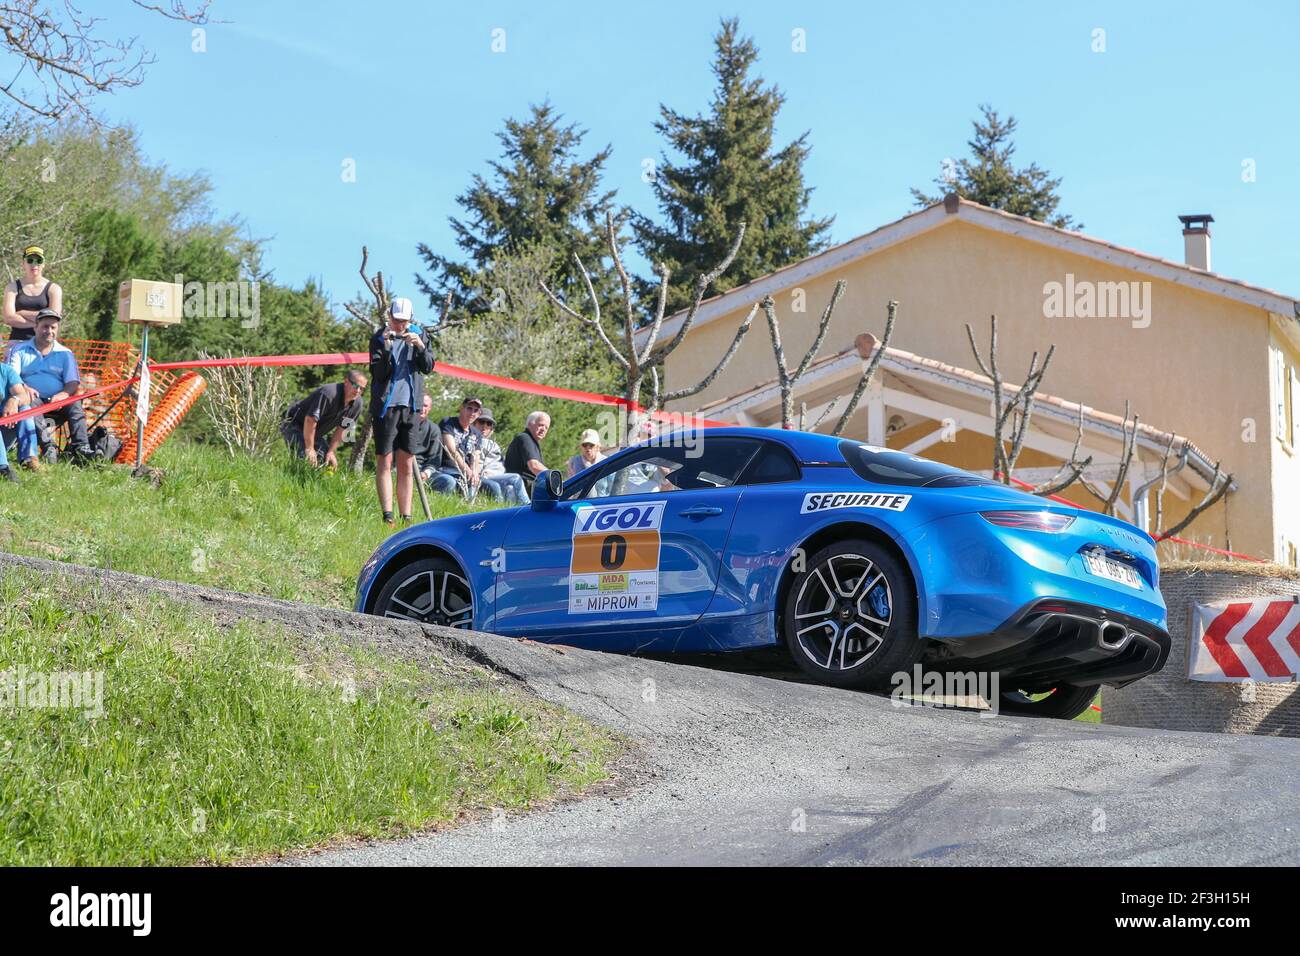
(25, 297)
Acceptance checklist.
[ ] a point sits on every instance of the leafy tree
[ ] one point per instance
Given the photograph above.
(541, 195)
(989, 177)
(116, 246)
(731, 174)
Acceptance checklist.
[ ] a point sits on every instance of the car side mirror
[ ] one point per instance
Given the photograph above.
(547, 490)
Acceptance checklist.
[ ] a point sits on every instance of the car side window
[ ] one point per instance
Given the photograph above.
(710, 463)
(642, 472)
(772, 464)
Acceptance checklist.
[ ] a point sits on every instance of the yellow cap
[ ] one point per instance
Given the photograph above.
(33, 251)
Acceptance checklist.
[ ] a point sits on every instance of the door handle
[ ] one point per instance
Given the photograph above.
(701, 511)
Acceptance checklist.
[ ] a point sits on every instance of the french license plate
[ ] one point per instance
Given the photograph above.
(1110, 569)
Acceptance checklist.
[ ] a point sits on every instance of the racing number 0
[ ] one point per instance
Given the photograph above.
(613, 552)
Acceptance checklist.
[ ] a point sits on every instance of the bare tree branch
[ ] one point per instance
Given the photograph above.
(593, 321)
(702, 283)
(1070, 471)
(382, 303)
(705, 382)
(1219, 485)
(786, 381)
(64, 62)
(1018, 410)
(830, 406)
(1164, 476)
(638, 365)
(867, 346)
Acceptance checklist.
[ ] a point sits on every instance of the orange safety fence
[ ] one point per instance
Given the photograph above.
(165, 416)
(170, 398)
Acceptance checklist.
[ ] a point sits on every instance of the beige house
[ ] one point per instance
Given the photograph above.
(1199, 356)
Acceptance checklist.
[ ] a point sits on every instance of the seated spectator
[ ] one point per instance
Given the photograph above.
(49, 370)
(460, 446)
(15, 397)
(524, 456)
(589, 453)
(426, 440)
(313, 427)
(503, 485)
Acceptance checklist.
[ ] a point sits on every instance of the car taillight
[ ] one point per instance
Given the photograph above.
(1029, 520)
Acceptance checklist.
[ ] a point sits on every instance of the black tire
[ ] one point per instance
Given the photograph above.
(870, 654)
(1065, 702)
(430, 591)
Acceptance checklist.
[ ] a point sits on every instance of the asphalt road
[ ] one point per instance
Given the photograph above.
(733, 767)
(749, 769)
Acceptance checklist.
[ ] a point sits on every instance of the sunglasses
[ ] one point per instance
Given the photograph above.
(34, 260)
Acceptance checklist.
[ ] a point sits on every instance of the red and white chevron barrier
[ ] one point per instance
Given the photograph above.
(1258, 639)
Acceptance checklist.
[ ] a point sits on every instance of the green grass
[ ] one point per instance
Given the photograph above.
(1091, 716)
(272, 526)
(218, 743)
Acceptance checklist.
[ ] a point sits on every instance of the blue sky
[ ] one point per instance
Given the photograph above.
(1158, 124)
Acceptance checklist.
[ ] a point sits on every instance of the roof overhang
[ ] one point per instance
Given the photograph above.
(1031, 230)
(935, 390)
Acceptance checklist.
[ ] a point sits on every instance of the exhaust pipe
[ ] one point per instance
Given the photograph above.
(1114, 635)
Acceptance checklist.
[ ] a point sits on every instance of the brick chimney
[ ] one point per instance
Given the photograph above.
(1196, 240)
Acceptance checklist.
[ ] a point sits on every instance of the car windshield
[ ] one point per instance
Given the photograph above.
(882, 466)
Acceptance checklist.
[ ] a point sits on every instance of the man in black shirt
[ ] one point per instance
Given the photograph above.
(524, 456)
(313, 427)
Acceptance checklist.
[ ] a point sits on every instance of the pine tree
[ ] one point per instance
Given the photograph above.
(542, 195)
(989, 178)
(730, 174)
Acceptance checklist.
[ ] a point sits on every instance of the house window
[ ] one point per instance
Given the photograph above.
(1286, 400)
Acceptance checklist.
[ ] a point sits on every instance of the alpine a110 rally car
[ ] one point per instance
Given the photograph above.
(863, 561)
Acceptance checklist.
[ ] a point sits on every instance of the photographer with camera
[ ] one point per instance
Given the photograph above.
(399, 360)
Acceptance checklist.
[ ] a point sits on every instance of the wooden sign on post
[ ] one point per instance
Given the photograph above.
(143, 302)
(146, 303)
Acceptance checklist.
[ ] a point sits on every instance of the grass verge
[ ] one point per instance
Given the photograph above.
(207, 743)
(269, 526)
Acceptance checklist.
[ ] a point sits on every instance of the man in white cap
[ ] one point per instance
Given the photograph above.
(588, 454)
(399, 360)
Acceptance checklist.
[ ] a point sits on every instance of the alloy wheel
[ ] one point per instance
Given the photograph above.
(842, 612)
(433, 597)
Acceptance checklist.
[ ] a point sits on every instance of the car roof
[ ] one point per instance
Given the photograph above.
(806, 446)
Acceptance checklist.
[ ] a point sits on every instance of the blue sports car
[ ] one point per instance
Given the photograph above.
(862, 561)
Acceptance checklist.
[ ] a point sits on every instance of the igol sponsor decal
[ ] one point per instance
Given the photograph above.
(829, 500)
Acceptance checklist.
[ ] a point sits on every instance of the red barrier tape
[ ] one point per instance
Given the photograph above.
(1206, 547)
(360, 358)
(7, 420)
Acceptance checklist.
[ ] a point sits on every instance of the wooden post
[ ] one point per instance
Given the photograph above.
(419, 486)
(145, 384)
